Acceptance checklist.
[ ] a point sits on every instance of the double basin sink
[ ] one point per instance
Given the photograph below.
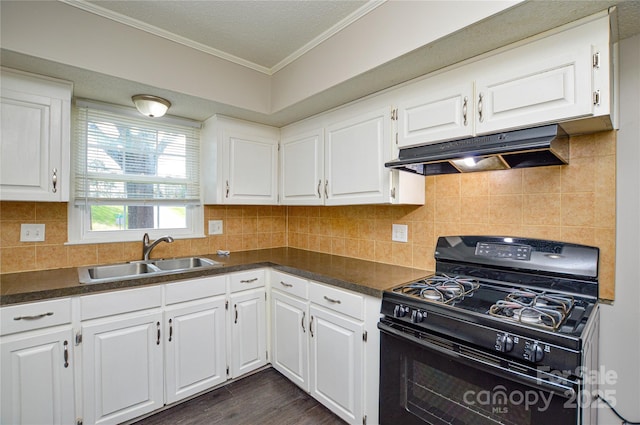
(137, 269)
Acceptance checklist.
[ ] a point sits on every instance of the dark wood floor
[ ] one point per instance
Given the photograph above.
(263, 398)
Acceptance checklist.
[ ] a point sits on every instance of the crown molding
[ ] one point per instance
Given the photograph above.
(134, 23)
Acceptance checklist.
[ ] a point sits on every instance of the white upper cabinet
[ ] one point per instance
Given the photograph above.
(354, 159)
(239, 162)
(441, 111)
(302, 168)
(549, 80)
(564, 77)
(34, 157)
(338, 159)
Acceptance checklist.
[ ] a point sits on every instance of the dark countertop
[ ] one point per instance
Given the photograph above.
(366, 277)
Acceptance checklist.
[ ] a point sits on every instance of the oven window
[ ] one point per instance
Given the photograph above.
(421, 385)
(433, 395)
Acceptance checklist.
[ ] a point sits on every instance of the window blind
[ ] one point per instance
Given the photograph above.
(128, 160)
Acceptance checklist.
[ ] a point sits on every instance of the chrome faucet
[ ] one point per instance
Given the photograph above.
(147, 247)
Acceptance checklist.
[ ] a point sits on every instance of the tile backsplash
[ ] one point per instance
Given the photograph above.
(573, 203)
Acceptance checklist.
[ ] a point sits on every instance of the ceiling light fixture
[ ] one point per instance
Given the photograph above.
(151, 106)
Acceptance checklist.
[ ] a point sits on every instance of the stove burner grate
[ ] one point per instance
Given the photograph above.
(441, 288)
(539, 309)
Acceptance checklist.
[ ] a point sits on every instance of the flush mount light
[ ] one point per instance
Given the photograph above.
(151, 106)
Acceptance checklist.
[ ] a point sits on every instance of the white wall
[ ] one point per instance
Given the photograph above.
(620, 323)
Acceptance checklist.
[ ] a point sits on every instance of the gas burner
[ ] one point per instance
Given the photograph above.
(441, 288)
(540, 309)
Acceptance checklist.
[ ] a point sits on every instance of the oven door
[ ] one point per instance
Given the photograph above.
(425, 379)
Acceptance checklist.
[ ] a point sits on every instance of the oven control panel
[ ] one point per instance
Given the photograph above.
(509, 251)
(527, 349)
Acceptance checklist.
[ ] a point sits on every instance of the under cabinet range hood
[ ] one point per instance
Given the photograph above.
(531, 147)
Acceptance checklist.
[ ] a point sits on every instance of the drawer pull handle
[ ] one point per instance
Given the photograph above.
(480, 116)
(311, 327)
(170, 329)
(319, 185)
(249, 280)
(286, 285)
(36, 317)
(66, 354)
(302, 322)
(331, 300)
(158, 339)
(235, 307)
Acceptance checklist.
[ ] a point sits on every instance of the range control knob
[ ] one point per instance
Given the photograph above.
(400, 311)
(504, 343)
(533, 352)
(418, 316)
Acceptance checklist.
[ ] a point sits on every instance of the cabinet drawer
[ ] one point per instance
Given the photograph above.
(344, 302)
(110, 303)
(246, 280)
(194, 289)
(26, 317)
(290, 284)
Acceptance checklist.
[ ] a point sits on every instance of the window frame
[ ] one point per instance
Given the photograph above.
(79, 210)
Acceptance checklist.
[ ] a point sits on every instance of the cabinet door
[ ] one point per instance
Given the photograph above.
(122, 367)
(336, 363)
(289, 328)
(441, 110)
(355, 152)
(37, 378)
(34, 155)
(535, 84)
(302, 173)
(195, 348)
(251, 170)
(248, 331)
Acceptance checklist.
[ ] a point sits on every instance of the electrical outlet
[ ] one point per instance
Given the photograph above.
(400, 233)
(31, 232)
(215, 227)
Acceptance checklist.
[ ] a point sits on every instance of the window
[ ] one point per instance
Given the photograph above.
(133, 175)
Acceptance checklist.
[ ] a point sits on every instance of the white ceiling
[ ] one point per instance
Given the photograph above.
(264, 35)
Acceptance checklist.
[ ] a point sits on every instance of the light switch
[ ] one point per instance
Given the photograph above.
(31, 232)
(215, 227)
(400, 233)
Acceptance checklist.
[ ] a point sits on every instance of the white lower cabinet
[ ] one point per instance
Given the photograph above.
(37, 364)
(122, 354)
(290, 346)
(37, 379)
(122, 367)
(194, 348)
(336, 359)
(320, 341)
(248, 341)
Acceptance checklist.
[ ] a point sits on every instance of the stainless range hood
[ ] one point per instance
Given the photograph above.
(531, 147)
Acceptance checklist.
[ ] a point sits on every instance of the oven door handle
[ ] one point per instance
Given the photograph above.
(514, 375)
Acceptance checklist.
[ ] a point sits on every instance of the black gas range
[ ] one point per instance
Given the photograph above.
(518, 316)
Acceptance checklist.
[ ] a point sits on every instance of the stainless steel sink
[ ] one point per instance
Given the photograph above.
(135, 269)
(184, 263)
